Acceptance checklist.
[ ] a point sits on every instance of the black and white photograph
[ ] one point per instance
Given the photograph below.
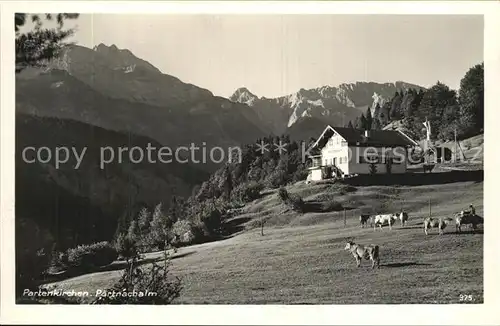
(217, 158)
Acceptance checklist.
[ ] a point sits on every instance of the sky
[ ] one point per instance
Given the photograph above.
(276, 55)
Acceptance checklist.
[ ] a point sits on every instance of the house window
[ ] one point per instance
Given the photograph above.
(340, 160)
(343, 143)
(346, 160)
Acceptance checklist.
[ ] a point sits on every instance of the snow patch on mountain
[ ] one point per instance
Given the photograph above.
(377, 99)
(129, 69)
(303, 107)
(57, 84)
(243, 95)
(327, 91)
(343, 97)
(318, 102)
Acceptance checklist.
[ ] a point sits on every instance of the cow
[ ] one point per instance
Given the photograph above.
(403, 216)
(436, 222)
(369, 252)
(363, 219)
(384, 219)
(465, 218)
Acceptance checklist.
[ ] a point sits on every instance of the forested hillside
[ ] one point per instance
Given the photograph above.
(446, 109)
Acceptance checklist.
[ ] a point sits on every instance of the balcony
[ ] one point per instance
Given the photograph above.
(316, 162)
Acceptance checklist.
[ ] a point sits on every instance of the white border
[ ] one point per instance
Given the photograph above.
(266, 314)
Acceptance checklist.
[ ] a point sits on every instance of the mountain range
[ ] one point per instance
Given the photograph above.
(333, 105)
(107, 96)
(112, 88)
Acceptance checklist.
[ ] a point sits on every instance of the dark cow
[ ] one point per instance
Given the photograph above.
(364, 218)
(403, 216)
(467, 218)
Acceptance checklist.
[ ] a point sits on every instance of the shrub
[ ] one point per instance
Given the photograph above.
(126, 247)
(188, 237)
(32, 247)
(208, 217)
(325, 197)
(186, 232)
(213, 221)
(277, 178)
(341, 188)
(58, 261)
(161, 234)
(246, 192)
(283, 194)
(30, 268)
(154, 280)
(331, 205)
(89, 256)
(295, 202)
(348, 188)
(300, 174)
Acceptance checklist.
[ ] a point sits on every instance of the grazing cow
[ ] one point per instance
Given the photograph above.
(436, 222)
(403, 216)
(363, 219)
(359, 252)
(384, 219)
(465, 218)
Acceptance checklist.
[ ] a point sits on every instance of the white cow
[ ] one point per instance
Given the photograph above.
(384, 219)
(436, 222)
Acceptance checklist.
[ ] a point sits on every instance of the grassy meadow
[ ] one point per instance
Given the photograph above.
(300, 259)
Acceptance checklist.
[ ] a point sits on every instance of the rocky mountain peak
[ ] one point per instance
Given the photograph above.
(103, 48)
(334, 105)
(243, 95)
(327, 91)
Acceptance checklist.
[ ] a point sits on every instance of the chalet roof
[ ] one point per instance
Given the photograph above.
(377, 138)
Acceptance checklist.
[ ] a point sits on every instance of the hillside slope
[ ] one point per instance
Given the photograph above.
(83, 204)
(248, 268)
